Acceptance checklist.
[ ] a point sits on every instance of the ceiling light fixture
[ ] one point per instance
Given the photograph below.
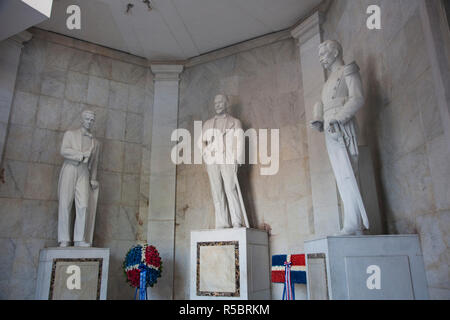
(149, 5)
(129, 6)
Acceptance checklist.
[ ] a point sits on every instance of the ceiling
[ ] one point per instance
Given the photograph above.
(176, 29)
(17, 16)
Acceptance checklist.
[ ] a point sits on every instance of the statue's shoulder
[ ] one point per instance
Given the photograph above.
(351, 68)
(70, 133)
(236, 121)
(233, 118)
(208, 123)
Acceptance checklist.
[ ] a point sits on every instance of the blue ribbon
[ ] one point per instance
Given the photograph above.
(143, 285)
(288, 289)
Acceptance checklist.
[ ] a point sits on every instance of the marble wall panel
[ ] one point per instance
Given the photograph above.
(134, 127)
(76, 86)
(40, 219)
(32, 63)
(115, 125)
(111, 188)
(70, 115)
(98, 91)
(58, 55)
(12, 218)
(80, 61)
(15, 175)
(18, 143)
(136, 99)
(130, 190)
(127, 222)
(24, 108)
(264, 85)
(39, 183)
(401, 123)
(100, 66)
(49, 113)
(55, 83)
(118, 95)
(112, 157)
(440, 171)
(46, 146)
(133, 157)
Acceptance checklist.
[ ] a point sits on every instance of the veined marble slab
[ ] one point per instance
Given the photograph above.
(230, 264)
(56, 273)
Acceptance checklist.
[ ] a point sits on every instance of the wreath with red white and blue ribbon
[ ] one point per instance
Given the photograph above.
(142, 267)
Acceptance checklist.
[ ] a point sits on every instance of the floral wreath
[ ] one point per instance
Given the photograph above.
(142, 258)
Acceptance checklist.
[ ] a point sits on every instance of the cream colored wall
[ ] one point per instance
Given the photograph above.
(58, 77)
(266, 92)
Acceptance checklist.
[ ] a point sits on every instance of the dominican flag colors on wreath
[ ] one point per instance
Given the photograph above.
(297, 268)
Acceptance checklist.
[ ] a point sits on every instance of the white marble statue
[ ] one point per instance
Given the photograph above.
(78, 181)
(225, 190)
(342, 97)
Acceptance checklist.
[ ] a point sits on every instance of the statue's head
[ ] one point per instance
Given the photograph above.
(330, 51)
(220, 103)
(88, 119)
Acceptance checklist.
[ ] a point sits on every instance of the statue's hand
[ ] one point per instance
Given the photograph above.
(333, 129)
(94, 184)
(318, 125)
(87, 156)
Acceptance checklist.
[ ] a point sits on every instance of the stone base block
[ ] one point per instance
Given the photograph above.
(72, 273)
(387, 267)
(230, 264)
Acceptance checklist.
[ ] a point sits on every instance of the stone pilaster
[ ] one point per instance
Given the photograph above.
(10, 50)
(437, 36)
(323, 185)
(161, 216)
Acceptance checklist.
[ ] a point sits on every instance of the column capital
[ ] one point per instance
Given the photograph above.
(166, 72)
(20, 38)
(308, 28)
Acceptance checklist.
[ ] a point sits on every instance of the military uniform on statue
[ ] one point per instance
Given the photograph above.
(348, 253)
(217, 256)
(342, 97)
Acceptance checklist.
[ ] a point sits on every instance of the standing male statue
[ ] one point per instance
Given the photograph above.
(342, 97)
(222, 148)
(78, 181)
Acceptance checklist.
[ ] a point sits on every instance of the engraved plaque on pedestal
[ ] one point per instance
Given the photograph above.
(218, 269)
(72, 273)
(65, 274)
(230, 264)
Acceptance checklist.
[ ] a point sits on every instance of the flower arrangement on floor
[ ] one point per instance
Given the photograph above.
(142, 267)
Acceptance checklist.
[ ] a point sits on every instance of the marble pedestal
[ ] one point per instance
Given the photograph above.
(230, 264)
(365, 268)
(60, 267)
